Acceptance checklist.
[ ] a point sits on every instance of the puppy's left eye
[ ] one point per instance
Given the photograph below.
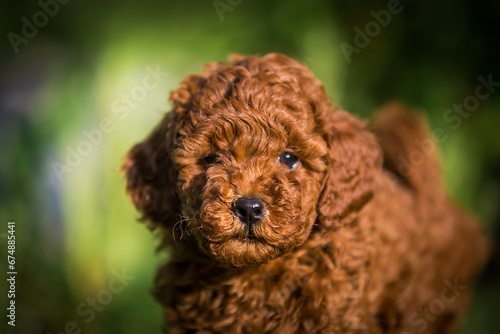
(211, 159)
(289, 160)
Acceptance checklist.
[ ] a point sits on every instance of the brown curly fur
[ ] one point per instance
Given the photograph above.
(350, 242)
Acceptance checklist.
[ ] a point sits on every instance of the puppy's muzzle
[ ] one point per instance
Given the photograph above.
(249, 210)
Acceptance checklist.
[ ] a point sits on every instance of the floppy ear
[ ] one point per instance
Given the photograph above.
(353, 159)
(149, 169)
(151, 177)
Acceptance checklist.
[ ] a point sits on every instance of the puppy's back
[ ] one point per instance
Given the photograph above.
(451, 244)
(408, 148)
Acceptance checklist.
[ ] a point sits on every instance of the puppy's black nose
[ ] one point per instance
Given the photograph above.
(249, 210)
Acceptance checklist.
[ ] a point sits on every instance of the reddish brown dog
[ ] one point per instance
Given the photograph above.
(283, 214)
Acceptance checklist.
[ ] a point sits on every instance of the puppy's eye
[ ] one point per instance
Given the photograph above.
(211, 159)
(289, 160)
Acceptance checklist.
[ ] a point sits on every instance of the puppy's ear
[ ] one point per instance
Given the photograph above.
(354, 158)
(148, 167)
(151, 177)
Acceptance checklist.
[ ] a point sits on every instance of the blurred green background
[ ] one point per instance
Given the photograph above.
(73, 93)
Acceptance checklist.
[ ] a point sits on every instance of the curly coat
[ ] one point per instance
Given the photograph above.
(350, 240)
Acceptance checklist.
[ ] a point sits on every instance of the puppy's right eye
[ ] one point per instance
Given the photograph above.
(289, 160)
(211, 159)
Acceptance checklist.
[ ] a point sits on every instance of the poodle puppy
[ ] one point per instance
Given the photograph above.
(284, 214)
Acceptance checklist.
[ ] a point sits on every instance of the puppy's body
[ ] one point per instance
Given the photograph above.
(339, 244)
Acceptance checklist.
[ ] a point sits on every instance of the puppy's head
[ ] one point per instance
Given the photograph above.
(250, 156)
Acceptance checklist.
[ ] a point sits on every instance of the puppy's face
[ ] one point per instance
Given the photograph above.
(245, 154)
(249, 181)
